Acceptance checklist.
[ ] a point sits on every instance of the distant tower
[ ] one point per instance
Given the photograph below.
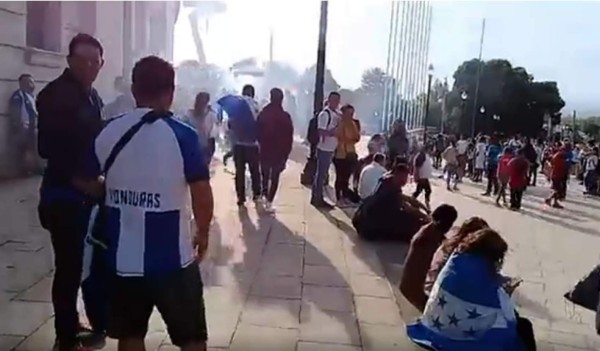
(271, 45)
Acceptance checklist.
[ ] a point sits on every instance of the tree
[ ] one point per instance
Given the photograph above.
(369, 98)
(307, 81)
(512, 101)
(279, 74)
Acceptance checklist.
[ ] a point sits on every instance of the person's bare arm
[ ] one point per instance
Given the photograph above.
(202, 207)
(416, 266)
(415, 203)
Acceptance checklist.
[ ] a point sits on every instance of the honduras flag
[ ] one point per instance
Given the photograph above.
(467, 310)
(242, 113)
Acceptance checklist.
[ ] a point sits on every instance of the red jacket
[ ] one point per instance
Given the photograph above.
(275, 133)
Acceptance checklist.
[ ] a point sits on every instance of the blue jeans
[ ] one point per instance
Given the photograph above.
(324, 159)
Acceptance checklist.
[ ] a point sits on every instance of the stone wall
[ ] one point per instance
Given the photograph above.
(16, 58)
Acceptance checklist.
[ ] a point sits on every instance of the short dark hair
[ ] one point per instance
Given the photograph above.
(378, 157)
(25, 75)
(248, 90)
(346, 107)
(334, 93)
(152, 76)
(84, 39)
(276, 94)
(400, 168)
(444, 216)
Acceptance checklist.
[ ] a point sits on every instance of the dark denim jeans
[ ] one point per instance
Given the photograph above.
(324, 159)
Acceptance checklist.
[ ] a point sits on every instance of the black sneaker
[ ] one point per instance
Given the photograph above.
(77, 347)
(322, 204)
(93, 340)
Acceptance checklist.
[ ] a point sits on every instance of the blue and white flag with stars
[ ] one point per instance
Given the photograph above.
(467, 310)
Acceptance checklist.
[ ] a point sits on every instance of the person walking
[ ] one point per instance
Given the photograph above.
(503, 174)
(423, 171)
(492, 154)
(518, 169)
(345, 158)
(462, 147)
(479, 159)
(275, 138)
(243, 112)
(70, 118)
(591, 172)
(450, 156)
(327, 123)
(559, 172)
(155, 179)
(204, 120)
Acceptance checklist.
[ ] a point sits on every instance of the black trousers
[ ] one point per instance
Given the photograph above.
(423, 185)
(492, 183)
(246, 155)
(533, 171)
(516, 197)
(344, 167)
(525, 332)
(270, 172)
(67, 223)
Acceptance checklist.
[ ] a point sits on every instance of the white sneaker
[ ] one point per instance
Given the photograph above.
(269, 207)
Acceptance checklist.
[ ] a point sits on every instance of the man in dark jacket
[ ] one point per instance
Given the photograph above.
(275, 137)
(69, 111)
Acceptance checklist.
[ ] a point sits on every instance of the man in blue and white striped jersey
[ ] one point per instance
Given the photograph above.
(157, 181)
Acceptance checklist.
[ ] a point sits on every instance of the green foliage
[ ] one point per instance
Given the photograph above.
(509, 93)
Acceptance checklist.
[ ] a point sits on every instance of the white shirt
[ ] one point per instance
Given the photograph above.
(426, 169)
(514, 143)
(208, 129)
(328, 120)
(147, 194)
(461, 146)
(591, 162)
(369, 178)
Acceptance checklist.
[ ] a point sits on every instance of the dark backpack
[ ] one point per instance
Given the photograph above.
(313, 128)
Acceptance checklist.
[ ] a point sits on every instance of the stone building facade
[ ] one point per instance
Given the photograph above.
(34, 37)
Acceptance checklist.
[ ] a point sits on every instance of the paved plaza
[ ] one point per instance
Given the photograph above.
(300, 279)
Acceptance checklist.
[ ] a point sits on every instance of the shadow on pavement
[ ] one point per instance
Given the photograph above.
(279, 277)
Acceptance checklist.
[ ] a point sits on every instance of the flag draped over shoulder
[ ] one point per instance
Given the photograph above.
(242, 117)
(467, 310)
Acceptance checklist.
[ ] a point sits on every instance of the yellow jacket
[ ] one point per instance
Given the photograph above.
(348, 134)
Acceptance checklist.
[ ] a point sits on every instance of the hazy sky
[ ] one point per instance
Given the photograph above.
(554, 40)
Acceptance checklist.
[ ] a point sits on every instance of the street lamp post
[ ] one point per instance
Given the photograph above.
(463, 98)
(320, 69)
(482, 111)
(426, 115)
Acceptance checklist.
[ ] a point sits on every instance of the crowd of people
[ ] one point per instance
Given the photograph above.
(127, 198)
(514, 164)
(122, 196)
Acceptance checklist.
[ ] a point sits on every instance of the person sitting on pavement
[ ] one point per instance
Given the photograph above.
(448, 246)
(420, 253)
(468, 308)
(388, 214)
(370, 176)
(376, 145)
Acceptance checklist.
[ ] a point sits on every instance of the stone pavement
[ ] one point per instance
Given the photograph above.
(300, 279)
